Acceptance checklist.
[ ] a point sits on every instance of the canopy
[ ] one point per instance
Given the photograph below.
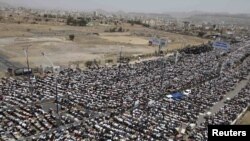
(177, 96)
(209, 113)
(169, 96)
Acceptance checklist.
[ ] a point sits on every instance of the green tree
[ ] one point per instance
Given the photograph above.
(120, 29)
(70, 20)
(72, 37)
(82, 22)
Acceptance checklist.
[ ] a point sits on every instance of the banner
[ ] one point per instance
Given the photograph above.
(221, 45)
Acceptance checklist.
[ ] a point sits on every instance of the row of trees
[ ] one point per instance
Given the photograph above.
(197, 49)
(77, 22)
(138, 22)
(116, 29)
(49, 16)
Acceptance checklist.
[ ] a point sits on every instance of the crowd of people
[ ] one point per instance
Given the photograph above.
(198, 50)
(126, 102)
(229, 113)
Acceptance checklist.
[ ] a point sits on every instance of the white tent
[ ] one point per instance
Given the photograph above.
(169, 96)
(183, 131)
(192, 125)
(187, 92)
(137, 102)
(151, 102)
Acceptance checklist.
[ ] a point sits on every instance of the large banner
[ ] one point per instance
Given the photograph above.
(158, 42)
(221, 45)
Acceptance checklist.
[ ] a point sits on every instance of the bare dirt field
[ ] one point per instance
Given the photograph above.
(126, 39)
(2, 74)
(245, 120)
(53, 40)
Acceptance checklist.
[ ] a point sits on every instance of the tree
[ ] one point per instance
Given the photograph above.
(71, 37)
(120, 29)
(70, 20)
(201, 34)
(77, 22)
(83, 22)
(113, 29)
(88, 63)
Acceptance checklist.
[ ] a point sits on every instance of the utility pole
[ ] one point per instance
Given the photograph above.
(57, 106)
(159, 51)
(119, 73)
(176, 57)
(68, 85)
(119, 67)
(163, 72)
(26, 53)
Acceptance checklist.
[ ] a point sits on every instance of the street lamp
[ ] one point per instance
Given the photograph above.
(26, 53)
(119, 67)
(46, 57)
(163, 72)
(119, 73)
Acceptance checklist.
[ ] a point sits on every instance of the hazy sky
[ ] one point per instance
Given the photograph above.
(231, 6)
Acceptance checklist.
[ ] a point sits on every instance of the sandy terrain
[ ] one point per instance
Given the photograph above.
(245, 119)
(126, 39)
(53, 40)
(2, 74)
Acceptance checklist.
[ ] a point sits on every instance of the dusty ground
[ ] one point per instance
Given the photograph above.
(245, 119)
(2, 74)
(126, 39)
(53, 40)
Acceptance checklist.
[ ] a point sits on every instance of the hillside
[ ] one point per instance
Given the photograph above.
(241, 19)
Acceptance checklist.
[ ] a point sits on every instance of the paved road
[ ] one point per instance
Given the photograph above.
(221, 103)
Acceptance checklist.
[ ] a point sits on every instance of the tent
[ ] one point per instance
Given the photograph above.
(169, 96)
(192, 125)
(209, 113)
(137, 102)
(177, 96)
(151, 103)
(187, 92)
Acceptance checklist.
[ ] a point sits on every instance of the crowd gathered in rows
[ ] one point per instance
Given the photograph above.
(128, 101)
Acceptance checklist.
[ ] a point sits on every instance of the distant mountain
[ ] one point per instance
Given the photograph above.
(225, 18)
(151, 15)
(193, 16)
(181, 15)
(100, 11)
(217, 18)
